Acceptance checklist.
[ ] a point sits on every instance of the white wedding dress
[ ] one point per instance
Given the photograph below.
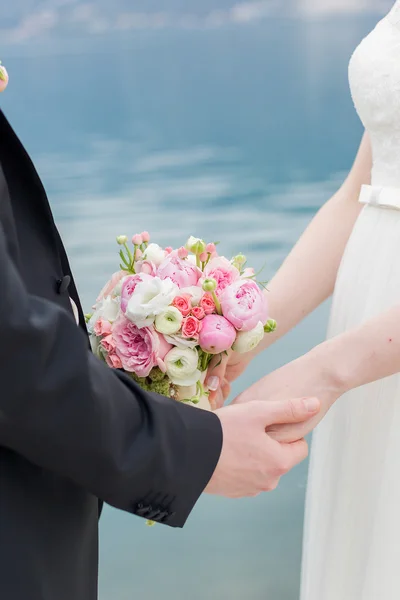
(352, 528)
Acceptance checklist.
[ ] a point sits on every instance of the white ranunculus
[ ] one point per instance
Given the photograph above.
(154, 254)
(194, 291)
(107, 309)
(181, 342)
(169, 321)
(248, 340)
(181, 365)
(150, 298)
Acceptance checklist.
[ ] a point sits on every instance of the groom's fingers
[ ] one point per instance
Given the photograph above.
(288, 411)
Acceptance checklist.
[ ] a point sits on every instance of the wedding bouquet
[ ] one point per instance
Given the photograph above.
(166, 313)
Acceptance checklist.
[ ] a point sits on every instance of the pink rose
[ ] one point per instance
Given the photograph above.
(110, 285)
(183, 304)
(244, 305)
(182, 272)
(191, 327)
(139, 349)
(223, 271)
(207, 304)
(112, 359)
(102, 327)
(217, 334)
(128, 288)
(198, 312)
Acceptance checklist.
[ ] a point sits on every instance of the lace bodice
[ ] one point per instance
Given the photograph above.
(374, 74)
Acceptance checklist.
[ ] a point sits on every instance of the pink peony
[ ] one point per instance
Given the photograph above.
(102, 327)
(183, 304)
(217, 334)
(139, 349)
(223, 271)
(112, 359)
(128, 288)
(146, 266)
(182, 272)
(191, 327)
(110, 285)
(198, 312)
(207, 304)
(244, 305)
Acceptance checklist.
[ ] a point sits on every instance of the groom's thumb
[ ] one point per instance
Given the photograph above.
(289, 411)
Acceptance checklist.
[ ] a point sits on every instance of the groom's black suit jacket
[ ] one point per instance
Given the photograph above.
(71, 430)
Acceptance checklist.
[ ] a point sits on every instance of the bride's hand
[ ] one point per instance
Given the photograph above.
(306, 376)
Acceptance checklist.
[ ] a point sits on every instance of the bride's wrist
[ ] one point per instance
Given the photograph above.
(327, 360)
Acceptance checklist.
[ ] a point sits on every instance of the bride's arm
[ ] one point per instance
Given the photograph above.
(307, 276)
(359, 356)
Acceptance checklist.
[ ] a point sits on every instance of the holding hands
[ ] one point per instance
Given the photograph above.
(306, 376)
(251, 461)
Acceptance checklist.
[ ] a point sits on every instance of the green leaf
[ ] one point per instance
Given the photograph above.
(2, 76)
(123, 268)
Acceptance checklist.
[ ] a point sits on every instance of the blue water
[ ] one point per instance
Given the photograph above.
(238, 134)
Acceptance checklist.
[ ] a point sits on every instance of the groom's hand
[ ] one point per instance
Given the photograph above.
(251, 462)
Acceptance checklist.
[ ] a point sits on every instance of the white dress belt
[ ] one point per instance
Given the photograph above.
(382, 197)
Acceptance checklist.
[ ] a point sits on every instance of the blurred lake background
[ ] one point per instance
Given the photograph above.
(227, 121)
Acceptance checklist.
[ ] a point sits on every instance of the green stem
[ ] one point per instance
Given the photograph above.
(217, 303)
(204, 361)
(197, 261)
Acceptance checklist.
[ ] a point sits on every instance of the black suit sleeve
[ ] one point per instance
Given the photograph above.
(63, 410)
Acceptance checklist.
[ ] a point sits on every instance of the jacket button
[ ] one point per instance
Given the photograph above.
(63, 284)
(143, 510)
(154, 514)
(162, 516)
